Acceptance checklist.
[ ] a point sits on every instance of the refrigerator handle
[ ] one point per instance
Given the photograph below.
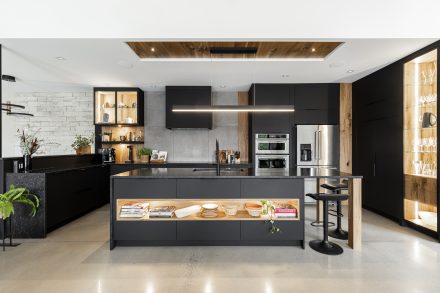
(315, 146)
(319, 144)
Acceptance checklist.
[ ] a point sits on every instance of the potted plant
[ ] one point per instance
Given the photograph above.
(29, 145)
(144, 153)
(12, 196)
(82, 144)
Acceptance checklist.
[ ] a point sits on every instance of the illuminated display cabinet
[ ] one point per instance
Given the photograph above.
(420, 143)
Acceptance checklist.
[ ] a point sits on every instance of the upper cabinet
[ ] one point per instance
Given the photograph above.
(188, 96)
(316, 103)
(271, 94)
(119, 106)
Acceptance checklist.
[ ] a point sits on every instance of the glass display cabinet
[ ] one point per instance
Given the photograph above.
(420, 143)
(119, 106)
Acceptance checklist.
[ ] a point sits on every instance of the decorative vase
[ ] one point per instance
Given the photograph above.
(145, 158)
(87, 150)
(27, 162)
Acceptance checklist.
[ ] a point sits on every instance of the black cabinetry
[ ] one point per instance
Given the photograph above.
(316, 103)
(271, 94)
(189, 96)
(378, 140)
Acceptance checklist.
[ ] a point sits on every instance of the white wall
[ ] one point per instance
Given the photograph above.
(58, 116)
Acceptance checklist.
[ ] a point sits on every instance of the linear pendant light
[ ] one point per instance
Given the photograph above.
(233, 108)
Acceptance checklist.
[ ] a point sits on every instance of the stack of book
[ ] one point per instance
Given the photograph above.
(286, 211)
(162, 211)
(136, 210)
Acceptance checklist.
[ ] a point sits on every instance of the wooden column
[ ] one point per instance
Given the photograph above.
(345, 128)
(243, 128)
(355, 213)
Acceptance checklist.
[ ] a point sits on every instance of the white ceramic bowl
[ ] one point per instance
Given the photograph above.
(254, 209)
(210, 206)
(231, 209)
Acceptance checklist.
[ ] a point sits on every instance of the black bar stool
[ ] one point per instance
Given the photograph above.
(338, 232)
(325, 246)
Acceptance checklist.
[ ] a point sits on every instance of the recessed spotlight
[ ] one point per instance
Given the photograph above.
(60, 58)
(350, 71)
(285, 75)
(153, 49)
(313, 49)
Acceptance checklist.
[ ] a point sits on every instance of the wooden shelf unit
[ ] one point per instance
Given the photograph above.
(420, 143)
(242, 214)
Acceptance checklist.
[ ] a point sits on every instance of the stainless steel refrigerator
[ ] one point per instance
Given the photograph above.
(317, 145)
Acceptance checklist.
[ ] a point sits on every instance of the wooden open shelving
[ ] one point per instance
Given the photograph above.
(420, 141)
(242, 214)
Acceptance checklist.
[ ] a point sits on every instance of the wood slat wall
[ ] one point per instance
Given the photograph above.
(243, 128)
(345, 128)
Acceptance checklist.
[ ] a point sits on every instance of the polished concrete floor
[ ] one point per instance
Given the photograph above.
(76, 258)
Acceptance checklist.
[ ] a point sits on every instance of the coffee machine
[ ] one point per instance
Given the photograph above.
(108, 155)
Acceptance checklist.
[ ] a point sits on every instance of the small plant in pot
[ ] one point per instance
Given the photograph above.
(83, 144)
(144, 154)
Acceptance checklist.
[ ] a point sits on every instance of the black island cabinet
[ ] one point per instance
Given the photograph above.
(195, 229)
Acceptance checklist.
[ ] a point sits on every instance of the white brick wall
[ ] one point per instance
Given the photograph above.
(59, 116)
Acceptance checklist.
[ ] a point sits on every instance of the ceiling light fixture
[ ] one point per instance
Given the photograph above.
(313, 49)
(8, 78)
(153, 49)
(285, 75)
(60, 58)
(350, 71)
(7, 107)
(233, 108)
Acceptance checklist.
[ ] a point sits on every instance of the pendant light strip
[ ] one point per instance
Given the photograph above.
(233, 108)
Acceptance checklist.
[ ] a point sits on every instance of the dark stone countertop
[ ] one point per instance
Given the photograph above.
(239, 173)
(189, 164)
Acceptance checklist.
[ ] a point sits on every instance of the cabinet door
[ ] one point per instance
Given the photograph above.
(311, 96)
(102, 185)
(127, 107)
(271, 94)
(188, 95)
(105, 107)
(208, 230)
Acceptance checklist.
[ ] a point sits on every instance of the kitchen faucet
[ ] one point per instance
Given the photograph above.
(217, 156)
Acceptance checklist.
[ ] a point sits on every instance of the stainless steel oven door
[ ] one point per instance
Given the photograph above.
(271, 146)
(272, 161)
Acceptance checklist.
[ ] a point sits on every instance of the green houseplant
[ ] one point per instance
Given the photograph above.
(144, 153)
(269, 209)
(82, 144)
(17, 195)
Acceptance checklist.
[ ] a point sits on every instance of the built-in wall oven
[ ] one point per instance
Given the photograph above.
(272, 161)
(272, 151)
(271, 143)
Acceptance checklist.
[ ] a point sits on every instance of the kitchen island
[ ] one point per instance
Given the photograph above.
(184, 187)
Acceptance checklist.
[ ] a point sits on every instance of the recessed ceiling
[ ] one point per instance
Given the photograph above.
(258, 50)
(103, 62)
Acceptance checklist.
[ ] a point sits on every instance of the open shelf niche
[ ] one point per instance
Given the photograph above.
(242, 214)
(420, 141)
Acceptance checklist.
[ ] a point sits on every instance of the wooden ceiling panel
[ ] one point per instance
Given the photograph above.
(202, 49)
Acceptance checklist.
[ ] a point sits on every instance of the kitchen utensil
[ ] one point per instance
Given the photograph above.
(184, 212)
(123, 137)
(429, 119)
(210, 206)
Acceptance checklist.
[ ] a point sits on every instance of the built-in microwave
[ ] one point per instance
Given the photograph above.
(272, 162)
(272, 143)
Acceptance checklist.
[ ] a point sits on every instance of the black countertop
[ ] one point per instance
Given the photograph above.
(239, 173)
